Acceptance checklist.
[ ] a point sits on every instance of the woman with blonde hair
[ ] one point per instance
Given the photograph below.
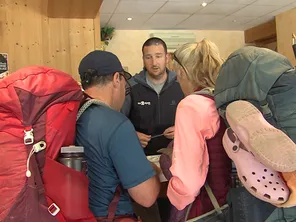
(198, 154)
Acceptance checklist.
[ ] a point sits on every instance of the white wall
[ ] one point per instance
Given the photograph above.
(127, 44)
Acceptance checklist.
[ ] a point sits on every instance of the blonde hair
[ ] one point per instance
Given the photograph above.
(170, 64)
(201, 62)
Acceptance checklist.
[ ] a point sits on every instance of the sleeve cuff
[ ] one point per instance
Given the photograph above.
(146, 176)
(180, 201)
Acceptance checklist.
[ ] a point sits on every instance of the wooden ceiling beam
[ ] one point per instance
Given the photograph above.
(73, 8)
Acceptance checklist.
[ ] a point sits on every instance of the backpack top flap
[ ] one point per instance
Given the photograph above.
(249, 73)
(31, 90)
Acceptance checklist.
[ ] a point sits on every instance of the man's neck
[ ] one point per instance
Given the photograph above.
(103, 95)
(159, 79)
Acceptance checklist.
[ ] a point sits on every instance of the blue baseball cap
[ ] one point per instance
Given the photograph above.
(101, 63)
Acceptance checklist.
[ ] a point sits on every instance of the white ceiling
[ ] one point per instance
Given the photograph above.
(189, 14)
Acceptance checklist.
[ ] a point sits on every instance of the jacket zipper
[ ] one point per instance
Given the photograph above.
(158, 104)
(158, 95)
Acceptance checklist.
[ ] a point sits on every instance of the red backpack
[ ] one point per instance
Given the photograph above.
(38, 108)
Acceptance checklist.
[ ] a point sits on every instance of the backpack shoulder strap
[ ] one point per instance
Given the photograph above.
(213, 198)
(207, 92)
(87, 104)
(113, 205)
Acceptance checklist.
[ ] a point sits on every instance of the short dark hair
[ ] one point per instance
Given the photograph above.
(155, 41)
(91, 78)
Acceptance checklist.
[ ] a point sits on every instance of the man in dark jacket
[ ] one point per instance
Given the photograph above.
(152, 103)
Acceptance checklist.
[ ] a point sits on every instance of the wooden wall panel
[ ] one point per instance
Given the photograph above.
(261, 33)
(21, 38)
(286, 25)
(97, 28)
(58, 49)
(3, 26)
(82, 40)
(31, 38)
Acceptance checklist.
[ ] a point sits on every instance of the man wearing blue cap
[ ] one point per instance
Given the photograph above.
(115, 159)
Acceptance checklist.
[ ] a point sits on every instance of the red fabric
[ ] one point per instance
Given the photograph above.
(69, 190)
(61, 124)
(45, 100)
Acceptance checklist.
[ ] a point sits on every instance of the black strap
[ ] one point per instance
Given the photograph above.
(265, 109)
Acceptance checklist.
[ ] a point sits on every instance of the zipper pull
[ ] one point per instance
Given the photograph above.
(28, 137)
(35, 149)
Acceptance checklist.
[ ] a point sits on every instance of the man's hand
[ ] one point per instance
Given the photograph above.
(169, 132)
(144, 139)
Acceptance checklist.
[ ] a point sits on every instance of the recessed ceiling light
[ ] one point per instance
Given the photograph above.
(204, 4)
(129, 18)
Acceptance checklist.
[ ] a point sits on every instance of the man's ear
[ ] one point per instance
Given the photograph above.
(116, 79)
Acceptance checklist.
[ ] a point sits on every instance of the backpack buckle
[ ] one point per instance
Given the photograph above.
(28, 137)
(53, 209)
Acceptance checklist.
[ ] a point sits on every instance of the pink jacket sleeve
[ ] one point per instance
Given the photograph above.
(196, 120)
